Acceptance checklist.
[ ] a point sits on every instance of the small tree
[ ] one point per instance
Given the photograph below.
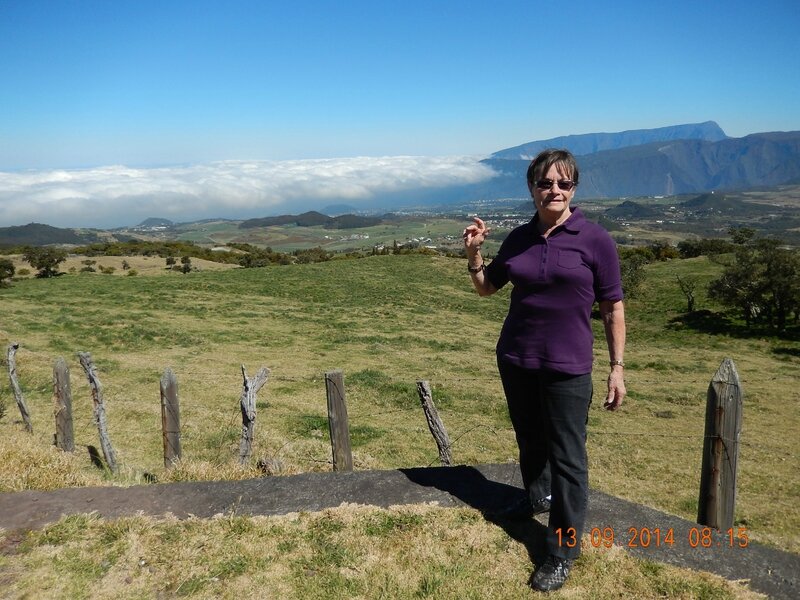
(741, 235)
(45, 259)
(763, 282)
(7, 270)
(781, 284)
(170, 261)
(664, 251)
(688, 286)
(186, 264)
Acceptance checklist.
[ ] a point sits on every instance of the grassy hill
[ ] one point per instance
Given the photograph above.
(37, 234)
(386, 321)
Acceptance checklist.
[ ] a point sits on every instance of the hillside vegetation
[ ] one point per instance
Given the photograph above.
(386, 321)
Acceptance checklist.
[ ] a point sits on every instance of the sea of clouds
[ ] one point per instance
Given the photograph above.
(117, 196)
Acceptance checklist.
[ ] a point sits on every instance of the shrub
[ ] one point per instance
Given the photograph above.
(46, 260)
(632, 271)
(763, 283)
(7, 270)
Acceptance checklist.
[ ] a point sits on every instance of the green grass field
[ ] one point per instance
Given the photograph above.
(287, 238)
(386, 321)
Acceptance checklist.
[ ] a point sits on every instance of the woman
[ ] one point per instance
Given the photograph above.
(559, 264)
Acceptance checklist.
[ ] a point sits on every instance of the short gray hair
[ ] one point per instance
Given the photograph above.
(547, 158)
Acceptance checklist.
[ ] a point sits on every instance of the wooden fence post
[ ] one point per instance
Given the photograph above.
(170, 419)
(338, 422)
(99, 410)
(721, 448)
(62, 400)
(12, 375)
(247, 402)
(434, 422)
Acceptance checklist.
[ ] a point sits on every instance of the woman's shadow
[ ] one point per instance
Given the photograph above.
(473, 487)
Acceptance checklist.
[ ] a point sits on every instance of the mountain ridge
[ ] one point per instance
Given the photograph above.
(590, 143)
(669, 167)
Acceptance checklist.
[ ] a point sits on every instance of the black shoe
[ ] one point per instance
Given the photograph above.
(542, 505)
(551, 575)
(522, 509)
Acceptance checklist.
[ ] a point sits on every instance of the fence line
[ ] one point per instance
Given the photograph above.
(84, 426)
(721, 438)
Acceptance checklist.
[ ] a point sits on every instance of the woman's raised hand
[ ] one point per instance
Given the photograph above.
(475, 235)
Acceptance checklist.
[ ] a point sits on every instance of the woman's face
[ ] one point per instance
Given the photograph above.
(552, 203)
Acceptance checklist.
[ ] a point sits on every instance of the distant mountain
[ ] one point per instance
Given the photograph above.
(714, 203)
(37, 234)
(307, 219)
(313, 219)
(155, 222)
(338, 209)
(631, 210)
(351, 222)
(668, 168)
(589, 143)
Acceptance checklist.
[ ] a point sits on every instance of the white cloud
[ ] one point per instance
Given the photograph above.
(116, 195)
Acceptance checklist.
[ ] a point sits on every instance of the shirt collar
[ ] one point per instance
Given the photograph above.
(573, 224)
(576, 220)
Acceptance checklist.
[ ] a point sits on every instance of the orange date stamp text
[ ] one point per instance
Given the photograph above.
(657, 537)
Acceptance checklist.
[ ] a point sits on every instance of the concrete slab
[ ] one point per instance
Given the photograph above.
(642, 530)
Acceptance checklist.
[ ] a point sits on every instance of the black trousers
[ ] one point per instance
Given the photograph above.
(549, 412)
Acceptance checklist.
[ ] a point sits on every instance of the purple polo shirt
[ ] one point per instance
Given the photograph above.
(556, 282)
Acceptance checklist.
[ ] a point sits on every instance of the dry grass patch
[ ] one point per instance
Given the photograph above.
(29, 465)
(352, 551)
(142, 265)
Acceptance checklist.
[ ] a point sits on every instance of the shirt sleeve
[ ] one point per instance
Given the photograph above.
(607, 277)
(496, 270)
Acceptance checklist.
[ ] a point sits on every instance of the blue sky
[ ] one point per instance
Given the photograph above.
(151, 91)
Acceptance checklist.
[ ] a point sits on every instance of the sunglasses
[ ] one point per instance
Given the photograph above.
(563, 184)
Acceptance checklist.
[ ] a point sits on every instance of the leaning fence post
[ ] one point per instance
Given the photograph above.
(247, 402)
(337, 421)
(12, 375)
(170, 418)
(434, 422)
(62, 400)
(99, 410)
(721, 448)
